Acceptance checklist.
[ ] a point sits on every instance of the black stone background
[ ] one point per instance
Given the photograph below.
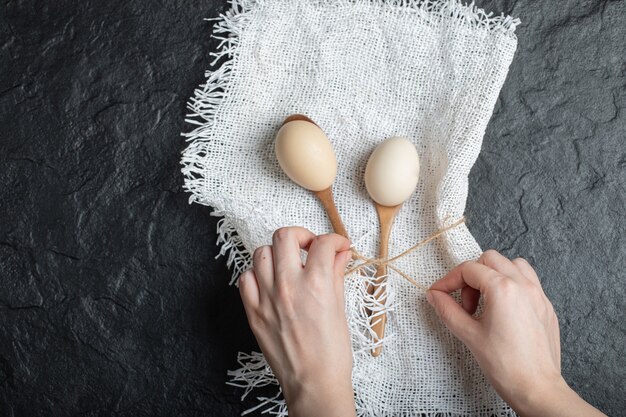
(111, 301)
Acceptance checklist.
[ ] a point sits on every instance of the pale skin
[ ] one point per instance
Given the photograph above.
(296, 312)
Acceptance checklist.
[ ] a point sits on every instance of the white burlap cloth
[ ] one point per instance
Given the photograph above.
(364, 70)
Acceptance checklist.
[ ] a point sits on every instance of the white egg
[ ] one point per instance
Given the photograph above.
(392, 171)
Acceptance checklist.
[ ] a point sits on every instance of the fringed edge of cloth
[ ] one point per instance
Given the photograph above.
(208, 97)
(254, 372)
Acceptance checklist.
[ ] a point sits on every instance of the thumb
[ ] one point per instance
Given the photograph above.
(342, 259)
(455, 318)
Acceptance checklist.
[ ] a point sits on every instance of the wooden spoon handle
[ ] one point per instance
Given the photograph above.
(386, 217)
(378, 323)
(327, 200)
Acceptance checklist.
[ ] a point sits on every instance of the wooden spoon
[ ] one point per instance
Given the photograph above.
(391, 176)
(307, 158)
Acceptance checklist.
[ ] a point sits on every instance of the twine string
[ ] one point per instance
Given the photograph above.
(389, 261)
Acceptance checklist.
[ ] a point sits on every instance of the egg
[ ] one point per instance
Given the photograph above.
(392, 171)
(306, 155)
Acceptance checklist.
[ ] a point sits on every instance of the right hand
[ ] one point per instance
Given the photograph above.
(516, 338)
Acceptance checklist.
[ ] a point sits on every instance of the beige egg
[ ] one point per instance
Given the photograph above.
(392, 171)
(306, 155)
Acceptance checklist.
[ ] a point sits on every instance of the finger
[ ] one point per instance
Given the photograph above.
(342, 259)
(455, 318)
(286, 245)
(469, 299)
(553, 329)
(323, 249)
(263, 265)
(500, 263)
(557, 342)
(474, 274)
(526, 270)
(249, 290)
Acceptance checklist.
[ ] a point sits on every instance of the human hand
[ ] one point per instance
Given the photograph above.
(516, 338)
(297, 315)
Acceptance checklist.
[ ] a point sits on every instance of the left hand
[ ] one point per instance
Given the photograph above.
(297, 315)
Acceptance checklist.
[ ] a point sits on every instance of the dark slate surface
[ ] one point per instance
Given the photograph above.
(111, 302)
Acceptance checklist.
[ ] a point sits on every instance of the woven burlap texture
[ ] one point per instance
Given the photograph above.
(364, 70)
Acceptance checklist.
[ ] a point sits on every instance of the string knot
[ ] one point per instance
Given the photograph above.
(389, 261)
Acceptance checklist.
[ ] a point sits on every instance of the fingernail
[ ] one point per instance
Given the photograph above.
(429, 297)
